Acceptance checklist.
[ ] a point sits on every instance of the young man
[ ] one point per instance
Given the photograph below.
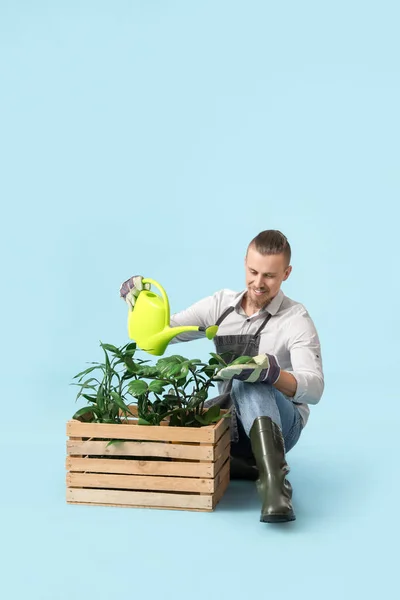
(270, 396)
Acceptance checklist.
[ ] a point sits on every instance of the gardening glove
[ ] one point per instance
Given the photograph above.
(130, 289)
(263, 368)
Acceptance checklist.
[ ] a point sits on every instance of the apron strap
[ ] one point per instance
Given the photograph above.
(263, 324)
(225, 314)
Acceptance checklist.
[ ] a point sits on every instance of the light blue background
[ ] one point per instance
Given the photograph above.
(159, 138)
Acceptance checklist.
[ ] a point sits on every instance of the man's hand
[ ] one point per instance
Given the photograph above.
(262, 368)
(130, 289)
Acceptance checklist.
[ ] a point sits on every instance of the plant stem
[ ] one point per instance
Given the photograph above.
(196, 381)
(179, 400)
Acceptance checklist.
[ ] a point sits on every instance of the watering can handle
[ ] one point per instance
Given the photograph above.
(164, 297)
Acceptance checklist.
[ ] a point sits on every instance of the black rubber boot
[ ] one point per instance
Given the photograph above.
(274, 489)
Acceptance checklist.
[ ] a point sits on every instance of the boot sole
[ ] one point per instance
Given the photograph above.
(277, 518)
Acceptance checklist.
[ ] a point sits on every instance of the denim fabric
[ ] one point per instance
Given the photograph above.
(252, 400)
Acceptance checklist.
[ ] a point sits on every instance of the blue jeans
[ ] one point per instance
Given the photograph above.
(254, 400)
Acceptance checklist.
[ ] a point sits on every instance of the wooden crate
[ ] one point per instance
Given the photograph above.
(183, 468)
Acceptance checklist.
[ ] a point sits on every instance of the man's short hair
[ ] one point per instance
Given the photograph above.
(272, 241)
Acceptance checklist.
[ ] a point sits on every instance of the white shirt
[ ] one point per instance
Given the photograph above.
(290, 335)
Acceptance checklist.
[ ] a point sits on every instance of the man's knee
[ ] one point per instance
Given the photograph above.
(243, 389)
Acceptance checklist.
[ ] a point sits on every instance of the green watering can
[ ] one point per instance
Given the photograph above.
(148, 322)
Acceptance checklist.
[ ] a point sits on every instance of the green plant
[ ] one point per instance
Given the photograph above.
(178, 390)
(175, 388)
(108, 394)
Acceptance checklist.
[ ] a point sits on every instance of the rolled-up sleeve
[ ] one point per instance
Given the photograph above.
(306, 360)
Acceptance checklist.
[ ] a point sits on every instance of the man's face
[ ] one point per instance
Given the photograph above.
(264, 276)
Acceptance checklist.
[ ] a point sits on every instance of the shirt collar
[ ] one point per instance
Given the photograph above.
(275, 303)
(272, 307)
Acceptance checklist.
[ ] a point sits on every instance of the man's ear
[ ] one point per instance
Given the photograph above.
(287, 273)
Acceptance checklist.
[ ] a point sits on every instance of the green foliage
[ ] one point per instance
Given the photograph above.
(177, 391)
(107, 393)
(175, 388)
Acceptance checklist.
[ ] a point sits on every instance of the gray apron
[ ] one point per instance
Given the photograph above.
(235, 346)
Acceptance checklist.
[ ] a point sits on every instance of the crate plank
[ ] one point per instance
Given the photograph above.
(220, 477)
(155, 449)
(221, 489)
(146, 499)
(142, 482)
(208, 510)
(221, 445)
(221, 427)
(218, 464)
(141, 467)
(129, 431)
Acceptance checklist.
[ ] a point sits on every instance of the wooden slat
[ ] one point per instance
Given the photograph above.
(104, 498)
(155, 449)
(221, 427)
(142, 482)
(221, 445)
(220, 477)
(221, 490)
(140, 499)
(142, 467)
(140, 506)
(217, 465)
(141, 432)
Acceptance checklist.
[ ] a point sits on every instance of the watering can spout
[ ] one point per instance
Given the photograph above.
(148, 322)
(157, 344)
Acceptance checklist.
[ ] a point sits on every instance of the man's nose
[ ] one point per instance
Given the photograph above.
(258, 282)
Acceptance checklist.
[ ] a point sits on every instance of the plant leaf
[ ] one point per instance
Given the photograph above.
(86, 372)
(138, 387)
(89, 398)
(173, 397)
(118, 401)
(241, 360)
(184, 371)
(88, 381)
(218, 358)
(213, 361)
(131, 365)
(156, 386)
(212, 413)
(131, 346)
(100, 397)
(111, 442)
(201, 420)
(87, 410)
(110, 348)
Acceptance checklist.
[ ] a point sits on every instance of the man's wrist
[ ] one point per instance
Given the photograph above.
(286, 383)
